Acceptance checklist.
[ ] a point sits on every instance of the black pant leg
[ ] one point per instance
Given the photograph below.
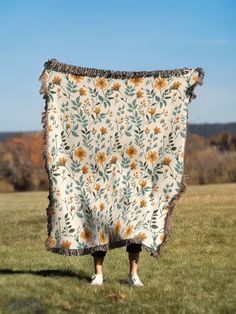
(134, 248)
(99, 253)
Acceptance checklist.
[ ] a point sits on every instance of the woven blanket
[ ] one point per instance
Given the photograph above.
(114, 149)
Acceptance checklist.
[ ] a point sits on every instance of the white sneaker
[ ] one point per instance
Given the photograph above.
(134, 280)
(96, 279)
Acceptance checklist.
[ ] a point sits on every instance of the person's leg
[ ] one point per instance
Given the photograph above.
(133, 249)
(98, 261)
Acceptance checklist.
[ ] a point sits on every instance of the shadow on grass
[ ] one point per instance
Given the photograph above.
(47, 273)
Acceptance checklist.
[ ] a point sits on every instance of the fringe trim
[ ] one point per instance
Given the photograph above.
(111, 245)
(55, 65)
(190, 90)
(44, 151)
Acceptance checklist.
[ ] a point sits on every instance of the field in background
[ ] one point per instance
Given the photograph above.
(195, 274)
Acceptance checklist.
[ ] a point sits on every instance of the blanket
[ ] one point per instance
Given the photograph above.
(114, 151)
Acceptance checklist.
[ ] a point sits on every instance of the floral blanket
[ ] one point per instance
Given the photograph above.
(114, 147)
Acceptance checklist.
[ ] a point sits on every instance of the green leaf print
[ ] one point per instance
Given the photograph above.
(71, 87)
(130, 91)
(76, 103)
(138, 136)
(171, 141)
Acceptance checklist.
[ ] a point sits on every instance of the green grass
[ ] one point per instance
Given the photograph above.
(195, 274)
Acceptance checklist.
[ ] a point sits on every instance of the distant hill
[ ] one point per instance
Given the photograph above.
(209, 129)
(7, 135)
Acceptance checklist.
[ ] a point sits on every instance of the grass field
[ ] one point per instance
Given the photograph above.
(195, 274)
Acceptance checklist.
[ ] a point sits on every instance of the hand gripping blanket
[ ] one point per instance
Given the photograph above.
(114, 148)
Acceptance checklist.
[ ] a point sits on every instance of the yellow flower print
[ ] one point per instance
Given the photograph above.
(176, 85)
(139, 94)
(143, 183)
(131, 151)
(114, 159)
(160, 83)
(77, 78)
(102, 206)
(49, 158)
(196, 78)
(162, 237)
(97, 186)
(97, 110)
(128, 230)
(133, 165)
(152, 111)
(57, 80)
(136, 80)
(152, 156)
(141, 236)
(80, 153)
(117, 226)
(143, 203)
(85, 234)
(166, 161)
(62, 161)
(116, 86)
(101, 157)
(101, 82)
(82, 91)
(103, 130)
(85, 169)
(66, 244)
(157, 130)
(102, 237)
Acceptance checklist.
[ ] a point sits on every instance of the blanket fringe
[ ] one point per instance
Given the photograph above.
(190, 90)
(55, 65)
(44, 151)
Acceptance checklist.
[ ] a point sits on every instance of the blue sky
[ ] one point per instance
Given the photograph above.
(118, 35)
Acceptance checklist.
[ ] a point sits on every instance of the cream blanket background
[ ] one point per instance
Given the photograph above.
(114, 147)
